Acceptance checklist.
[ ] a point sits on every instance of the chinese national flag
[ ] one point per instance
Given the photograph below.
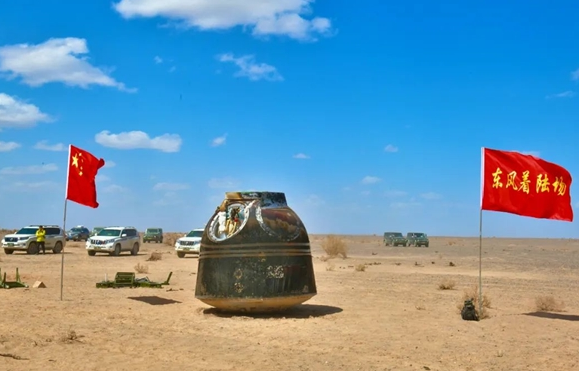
(82, 171)
(525, 185)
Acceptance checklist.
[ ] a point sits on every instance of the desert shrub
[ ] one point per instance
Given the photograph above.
(472, 293)
(155, 256)
(548, 304)
(141, 268)
(446, 284)
(334, 246)
(360, 268)
(330, 267)
(171, 238)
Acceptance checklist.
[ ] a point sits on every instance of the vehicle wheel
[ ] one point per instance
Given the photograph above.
(8, 251)
(57, 249)
(117, 251)
(404, 245)
(135, 249)
(180, 254)
(426, 245)
(91, 253)
(32, 248)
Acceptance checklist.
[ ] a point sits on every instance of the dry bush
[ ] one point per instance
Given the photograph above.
(548, 304)
(140, 268)
(447, 284)
(171, 238)
(69, 337)
(472, 293)
(360, 268)
(330, 267)
(155, 256)
(324, 258)
(334, 246)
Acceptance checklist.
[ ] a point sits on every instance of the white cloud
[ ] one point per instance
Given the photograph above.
(219, 141)
(314, 200)
(15, 113)
(102, 178)
(301, 156)
(170, 186)
(9, 146)
(57, 147)
(114, 188)
(390, 148)
(431, 196)
(110, 164)
(28, 170)
(139, 140)
(405, 205)
(565, 94)
(370, 180)
(575, 75)
(264, 17)
(249, 68)
(169, 199)
(226, 182)
(55, 60)
(394, 194)
(33, 186)
(158, 60)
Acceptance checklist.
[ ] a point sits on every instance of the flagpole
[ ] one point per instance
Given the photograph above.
(64, 222)
(480, 230)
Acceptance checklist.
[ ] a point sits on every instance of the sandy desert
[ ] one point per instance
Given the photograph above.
(381, 308)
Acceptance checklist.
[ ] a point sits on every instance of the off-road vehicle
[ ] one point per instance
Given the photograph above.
(394, 239)
(417, 239)
(189, 244)
(113, 241)
(153, 234)
(25, 240)
(78, 233)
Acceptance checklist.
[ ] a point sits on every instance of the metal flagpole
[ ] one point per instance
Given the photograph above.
(480, 227)
(64, 221)
(480, 295)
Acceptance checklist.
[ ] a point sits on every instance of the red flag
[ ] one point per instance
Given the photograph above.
(82, 171)
(525, 185)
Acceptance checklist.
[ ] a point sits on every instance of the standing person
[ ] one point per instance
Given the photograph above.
(40, 233)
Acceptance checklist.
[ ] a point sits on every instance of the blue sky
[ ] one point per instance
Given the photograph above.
(370, 117)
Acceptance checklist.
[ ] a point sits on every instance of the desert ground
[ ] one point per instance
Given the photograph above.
(381, 308)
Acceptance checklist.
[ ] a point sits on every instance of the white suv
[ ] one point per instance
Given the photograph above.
(189, 244)
(25, 240)
(114, 240)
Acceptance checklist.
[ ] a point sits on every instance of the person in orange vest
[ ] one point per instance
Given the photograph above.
(40, 233)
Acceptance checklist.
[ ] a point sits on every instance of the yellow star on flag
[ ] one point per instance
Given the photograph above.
(75, 161)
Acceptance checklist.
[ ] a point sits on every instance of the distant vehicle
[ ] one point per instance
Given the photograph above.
(96, 230)
(189, 244)
(417, 239)
(394, 239)
(153, 234)
(114, 240)
(25, 240)
(78, 233)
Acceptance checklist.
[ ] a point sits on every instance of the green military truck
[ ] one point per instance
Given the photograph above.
(153, 235)
(394, 239)
(417, 239)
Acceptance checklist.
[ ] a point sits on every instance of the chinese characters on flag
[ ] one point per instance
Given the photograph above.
(82, 171)
(525, 185)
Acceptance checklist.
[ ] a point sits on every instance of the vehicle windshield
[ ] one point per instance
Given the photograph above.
(419, 235)
(195, 234)
(152, 230)
(396, 234)
(27, 231)
(109, 232)
(77, 230)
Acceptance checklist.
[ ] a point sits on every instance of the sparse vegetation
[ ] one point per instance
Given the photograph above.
(472, 293)
(548, 304)
(330, 267)
(141, 268)
(447, 284)
(155, 256)
(171, 238)
(335, 246)
(360, 268)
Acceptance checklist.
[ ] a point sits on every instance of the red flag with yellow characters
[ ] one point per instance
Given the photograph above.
(525, 185)
(81, 180)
